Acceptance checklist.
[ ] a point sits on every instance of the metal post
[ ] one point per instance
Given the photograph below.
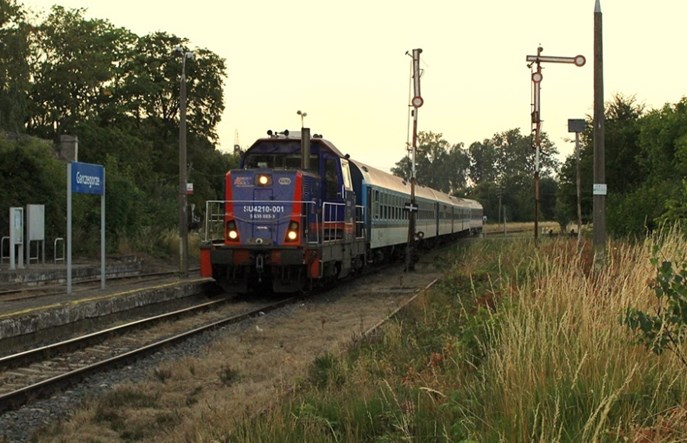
(102, 234)
(498, 214)
(183, 221)
(599, 191)
(536, 138)
(410, 248)
(69, 228)
(577, 126)
(504, 220)
(579, 187)
(416, 102)
(537, 77)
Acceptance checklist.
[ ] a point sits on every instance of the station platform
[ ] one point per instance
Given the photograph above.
(32, 274)
(35, 298)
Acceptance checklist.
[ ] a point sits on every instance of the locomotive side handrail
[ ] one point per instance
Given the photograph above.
(360, 231)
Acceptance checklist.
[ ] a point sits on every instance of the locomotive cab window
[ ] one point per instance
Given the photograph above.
(294, 162)
(277, 160)
(346, 172)
(259, 161)
(331, 177)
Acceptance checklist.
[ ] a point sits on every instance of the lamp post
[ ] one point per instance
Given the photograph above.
(303, 115)
(577, 125)
(183, 220)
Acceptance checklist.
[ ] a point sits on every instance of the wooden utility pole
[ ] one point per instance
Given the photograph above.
(599, 191)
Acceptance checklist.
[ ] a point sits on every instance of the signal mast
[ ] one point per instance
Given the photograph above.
(412, 207)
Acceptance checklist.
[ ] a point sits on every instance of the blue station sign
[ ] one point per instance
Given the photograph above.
(88, 178)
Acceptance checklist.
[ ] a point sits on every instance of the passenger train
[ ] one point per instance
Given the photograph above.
(298, 213)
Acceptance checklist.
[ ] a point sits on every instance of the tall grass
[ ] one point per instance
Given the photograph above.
(518, 344)
(561, 366)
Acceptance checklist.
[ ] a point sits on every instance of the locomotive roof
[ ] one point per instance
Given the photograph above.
(287, 144)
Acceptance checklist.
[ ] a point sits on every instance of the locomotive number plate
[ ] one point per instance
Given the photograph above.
(263, 212)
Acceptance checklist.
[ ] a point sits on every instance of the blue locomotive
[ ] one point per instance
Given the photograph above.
(298, 212)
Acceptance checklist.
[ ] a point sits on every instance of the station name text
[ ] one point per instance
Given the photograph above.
(88, 180)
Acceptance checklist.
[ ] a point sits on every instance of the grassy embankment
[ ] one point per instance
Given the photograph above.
(517, 344)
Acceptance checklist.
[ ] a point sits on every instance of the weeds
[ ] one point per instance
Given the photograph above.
(228, 375)
(162, 374)
(667, 328)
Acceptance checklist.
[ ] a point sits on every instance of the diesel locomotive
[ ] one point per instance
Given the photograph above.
(298, 213)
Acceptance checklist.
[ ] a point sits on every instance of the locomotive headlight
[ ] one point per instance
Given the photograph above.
(264, 180)
(232, 231)
(292, 232)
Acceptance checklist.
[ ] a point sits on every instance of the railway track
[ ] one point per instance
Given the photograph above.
(40, 372)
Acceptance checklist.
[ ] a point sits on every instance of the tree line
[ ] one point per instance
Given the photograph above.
(118, 92)
(646, 170)
(498, 172)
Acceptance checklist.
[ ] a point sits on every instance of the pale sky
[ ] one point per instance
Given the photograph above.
(344, 63)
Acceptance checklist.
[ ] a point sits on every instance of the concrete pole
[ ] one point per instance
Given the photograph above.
(599, 191)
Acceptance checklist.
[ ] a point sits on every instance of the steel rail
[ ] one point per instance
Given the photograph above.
(21, 396)
(40, 353)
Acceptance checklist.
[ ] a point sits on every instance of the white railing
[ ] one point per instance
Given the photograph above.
(56, 258)
(2, 249)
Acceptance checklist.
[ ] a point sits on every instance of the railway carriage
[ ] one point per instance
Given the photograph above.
(298, 212)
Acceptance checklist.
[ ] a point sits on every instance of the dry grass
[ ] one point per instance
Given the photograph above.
(519, 344)
(562, 366)
(544, 227)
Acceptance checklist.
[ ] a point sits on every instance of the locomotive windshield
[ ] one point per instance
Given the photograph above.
(277, 161)
(277, 154)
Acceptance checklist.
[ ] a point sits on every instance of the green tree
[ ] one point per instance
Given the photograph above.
(14, 68)
(626, 170)
(644, 190)
(504, 166)
(74, 64)
(483, 162)
(438, 165)
(119, 93)
(29, 172)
